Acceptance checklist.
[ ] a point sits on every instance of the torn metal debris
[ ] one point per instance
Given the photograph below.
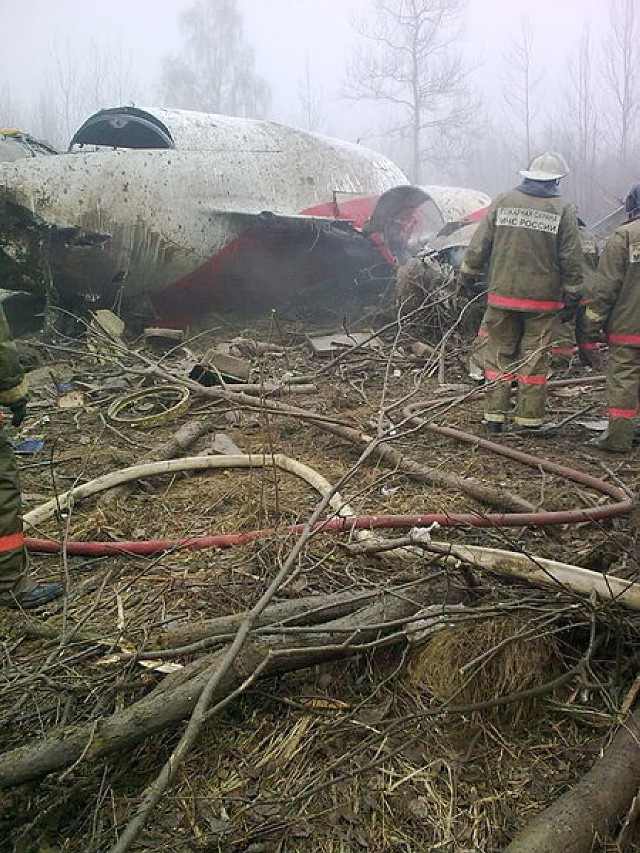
(216, 368)
(324, 345)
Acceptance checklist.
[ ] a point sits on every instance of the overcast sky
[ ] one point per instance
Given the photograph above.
(284, 34)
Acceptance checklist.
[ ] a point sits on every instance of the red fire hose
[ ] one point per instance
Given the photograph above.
(622, 504)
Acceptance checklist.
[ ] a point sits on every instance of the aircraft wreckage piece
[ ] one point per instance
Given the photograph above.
(168, 214)
(447, 205)
(213, 212)
(15, 145)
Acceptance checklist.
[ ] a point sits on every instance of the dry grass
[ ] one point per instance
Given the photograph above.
(481, 661)
(337, 759)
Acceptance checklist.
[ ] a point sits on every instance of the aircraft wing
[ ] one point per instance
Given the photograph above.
(272, 220)
(295, 261)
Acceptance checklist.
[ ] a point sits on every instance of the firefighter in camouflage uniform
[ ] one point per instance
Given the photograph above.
(589, 344)
(615, 308)
(531, 243)
(575, 334)
(16, 589)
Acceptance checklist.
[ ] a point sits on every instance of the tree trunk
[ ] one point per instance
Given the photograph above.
(310, 610)
(175, 697)
(589, 810)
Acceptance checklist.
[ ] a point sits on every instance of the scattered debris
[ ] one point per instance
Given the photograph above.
(71, 400)
(105, 329)
(252, 349)
(28, 445)
(377, 724)
(422, 350)
(46, 375)
(217, 368)
(222, 443)
(326, 345)
(163, 338)
(595, 426)
(149, 407)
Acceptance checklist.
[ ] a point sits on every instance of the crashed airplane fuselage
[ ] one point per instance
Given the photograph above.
(222, 212)
(174, 214)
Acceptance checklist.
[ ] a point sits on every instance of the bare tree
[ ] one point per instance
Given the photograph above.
(10, 113)
(580, 119)
(45, 120)
(310, 101)
(216, 71)
(490, 163)
(520, 86)
(107, 77)
(622, 75)
(76, 85)
(410, 65)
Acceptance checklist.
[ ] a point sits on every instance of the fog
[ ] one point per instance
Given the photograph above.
(304, 48)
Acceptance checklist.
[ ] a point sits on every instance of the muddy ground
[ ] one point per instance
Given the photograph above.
(341, 756)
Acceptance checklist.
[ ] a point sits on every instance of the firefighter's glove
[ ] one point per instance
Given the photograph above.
(595, 323)
(471, 285)
(18, 412)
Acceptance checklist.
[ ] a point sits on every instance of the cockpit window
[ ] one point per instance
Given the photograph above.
(123, 127)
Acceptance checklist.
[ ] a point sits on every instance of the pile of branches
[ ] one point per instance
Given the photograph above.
(362, 707)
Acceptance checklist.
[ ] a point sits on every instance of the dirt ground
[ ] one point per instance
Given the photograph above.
(340, 756)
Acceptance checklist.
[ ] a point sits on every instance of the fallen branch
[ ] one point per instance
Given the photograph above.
(592, 807)
(180, 441)
(310, 610)
(527, 567)
(549, 573)
(176, 696)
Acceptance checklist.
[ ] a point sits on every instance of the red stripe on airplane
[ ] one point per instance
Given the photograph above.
(200, 284)
(355, 210)
(477, 215)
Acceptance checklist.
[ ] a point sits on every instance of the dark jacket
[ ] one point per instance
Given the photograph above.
(13, 385)
(532, 246)
(616, 288)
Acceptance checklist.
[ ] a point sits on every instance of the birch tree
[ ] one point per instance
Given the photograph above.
(216, 70)
(76, 84)
(580, 118)
(10, 113)
(310, 96)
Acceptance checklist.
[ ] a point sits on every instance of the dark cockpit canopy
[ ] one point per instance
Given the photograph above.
(123, 127)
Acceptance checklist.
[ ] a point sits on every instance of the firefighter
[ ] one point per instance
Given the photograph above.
(615, 308)
(530, 241)
(16, 589)
(589, 344)
(571, 327)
